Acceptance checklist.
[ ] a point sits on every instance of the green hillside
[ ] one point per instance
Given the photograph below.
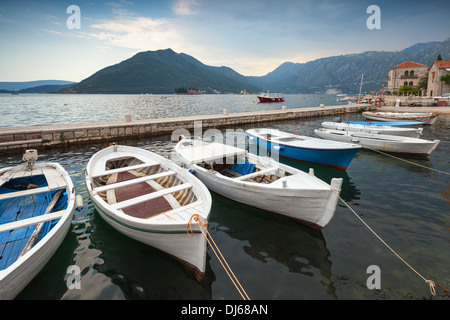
(161, 72)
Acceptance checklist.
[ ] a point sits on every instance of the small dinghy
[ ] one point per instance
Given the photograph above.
(37, 201)
(152, 200)
(395, 131)
(304, 148)
(261, 182)
(381, 142)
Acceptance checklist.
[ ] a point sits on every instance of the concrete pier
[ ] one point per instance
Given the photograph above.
(17, 139)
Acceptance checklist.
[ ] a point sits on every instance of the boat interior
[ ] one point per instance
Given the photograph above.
(126, 180)
(23, 203)
(245, 171)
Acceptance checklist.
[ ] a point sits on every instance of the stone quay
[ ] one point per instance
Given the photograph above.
(18, 139)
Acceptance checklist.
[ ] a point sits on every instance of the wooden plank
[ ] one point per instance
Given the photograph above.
(25, 192)
(153, 195)
(39, 226)
(31, 221)
(138, 166)
(133, 181)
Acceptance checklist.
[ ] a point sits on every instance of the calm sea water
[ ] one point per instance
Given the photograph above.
(273, 258)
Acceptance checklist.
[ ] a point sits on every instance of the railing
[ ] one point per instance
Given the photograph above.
(413, 76)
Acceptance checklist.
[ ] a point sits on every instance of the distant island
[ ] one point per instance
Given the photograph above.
(188, 90)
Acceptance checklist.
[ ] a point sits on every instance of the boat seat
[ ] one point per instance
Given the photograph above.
(27, 192)
(31, 221)
(138, 166)
(150, 196)
(133, 181)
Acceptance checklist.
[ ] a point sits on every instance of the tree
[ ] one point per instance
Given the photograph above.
(423, 83)
(408, 89)
(445, 78)
(439, 57)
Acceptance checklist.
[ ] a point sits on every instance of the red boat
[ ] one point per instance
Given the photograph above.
(270, 97)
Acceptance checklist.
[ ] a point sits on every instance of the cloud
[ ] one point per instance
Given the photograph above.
(141, 33)
(185, 7)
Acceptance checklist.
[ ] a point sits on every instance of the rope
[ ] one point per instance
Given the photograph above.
(410, 162)
(212, 244)
(429, 282)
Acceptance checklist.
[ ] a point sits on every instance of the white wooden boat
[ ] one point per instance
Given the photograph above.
(381, 142)
(390, 130)
(261, 182)
(426, 118)
(37, 201)
(152, 200)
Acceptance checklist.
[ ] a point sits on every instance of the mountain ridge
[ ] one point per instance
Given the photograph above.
(162, 71)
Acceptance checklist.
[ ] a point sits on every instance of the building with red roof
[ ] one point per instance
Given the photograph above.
(407, 73)
(437, 87)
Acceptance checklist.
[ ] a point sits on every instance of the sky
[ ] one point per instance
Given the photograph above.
(48, 40)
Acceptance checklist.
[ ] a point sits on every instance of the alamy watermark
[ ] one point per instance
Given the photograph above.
(74, 20)
(374, 21)
(374, 280)
(73, 280)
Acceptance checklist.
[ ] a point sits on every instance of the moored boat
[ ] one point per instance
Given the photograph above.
(270, 97)
(426, 118)
(381, 142)
(261, 182)
(152, 200)
(37, 201)
(304, 148)
(390, 130)
(388, 123)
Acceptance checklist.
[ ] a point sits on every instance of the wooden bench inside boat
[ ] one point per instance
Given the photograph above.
(32, 221)
(27, 192)
(123, 169)
(133, 181)
(150, 196)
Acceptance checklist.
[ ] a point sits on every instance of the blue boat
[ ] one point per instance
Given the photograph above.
(37, 201)
(304, 148)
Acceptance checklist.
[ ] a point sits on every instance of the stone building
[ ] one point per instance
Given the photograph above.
(436, 87)
(406, 74)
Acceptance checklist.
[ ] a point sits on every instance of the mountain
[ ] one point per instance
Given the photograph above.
(343, 73)
(162, 71)
(17, 86)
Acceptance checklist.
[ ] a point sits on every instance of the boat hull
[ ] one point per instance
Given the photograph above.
(406, 132)
(189, 250)
(386, 143)
(312, 208)
(269, 99)
(19, 274)
(426, 118)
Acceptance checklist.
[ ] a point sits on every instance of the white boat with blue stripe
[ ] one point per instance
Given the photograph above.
(304, 148)
(381, 142)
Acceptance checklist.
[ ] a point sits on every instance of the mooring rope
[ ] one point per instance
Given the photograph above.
(431, 283)
(410, 162)
(214, 247)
